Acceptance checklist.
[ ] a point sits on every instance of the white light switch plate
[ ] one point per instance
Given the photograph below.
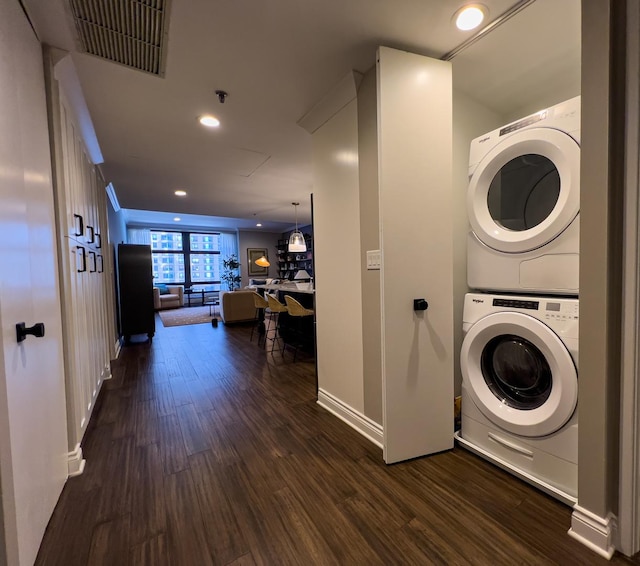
(373, 259)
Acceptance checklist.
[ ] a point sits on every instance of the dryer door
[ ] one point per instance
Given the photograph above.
(526, 190)
(519, 374)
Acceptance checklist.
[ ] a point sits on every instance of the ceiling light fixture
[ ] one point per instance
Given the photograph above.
(470, 17)
(262, 262)
(209, 121)
(180, 193)
(296, 239)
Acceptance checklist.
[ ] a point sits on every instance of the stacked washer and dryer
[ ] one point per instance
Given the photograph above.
(519, 355)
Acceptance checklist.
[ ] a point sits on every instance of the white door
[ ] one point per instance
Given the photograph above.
(415, 184)
(33, 442)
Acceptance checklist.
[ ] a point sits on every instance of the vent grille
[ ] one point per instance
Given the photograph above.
(130, 32)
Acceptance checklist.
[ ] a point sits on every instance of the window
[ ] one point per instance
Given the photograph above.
(189, 257)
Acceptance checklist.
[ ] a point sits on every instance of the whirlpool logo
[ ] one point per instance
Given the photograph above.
(482, 141)
(477, 300)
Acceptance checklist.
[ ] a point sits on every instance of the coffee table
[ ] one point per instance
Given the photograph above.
(212, 304)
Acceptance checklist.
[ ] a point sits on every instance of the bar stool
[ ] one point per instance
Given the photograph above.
(261, 304)
(298, 312)
(275, 308)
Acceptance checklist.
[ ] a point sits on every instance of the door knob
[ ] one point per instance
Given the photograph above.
(36, 330)
(420, 305)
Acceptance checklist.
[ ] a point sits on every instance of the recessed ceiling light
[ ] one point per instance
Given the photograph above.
(209, 121)
(180, 193)
(470, 17)
(258, 224)
(176, 219)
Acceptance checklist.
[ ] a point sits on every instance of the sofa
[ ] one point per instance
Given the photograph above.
(237, 306)
(168, 297)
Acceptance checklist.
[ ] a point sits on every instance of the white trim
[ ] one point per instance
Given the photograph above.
(75, 461)
(117, 348)
(595, 532)
(628, 533)
(69, 82)
(364, 425)
(111, 193)
(106, 372)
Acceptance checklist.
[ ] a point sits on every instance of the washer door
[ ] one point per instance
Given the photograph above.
(519, 374)
(526, 190)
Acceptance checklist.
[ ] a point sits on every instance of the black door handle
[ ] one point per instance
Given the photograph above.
(36, 330)
(420, 305)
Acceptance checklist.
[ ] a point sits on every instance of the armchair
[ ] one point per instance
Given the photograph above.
(171, 300)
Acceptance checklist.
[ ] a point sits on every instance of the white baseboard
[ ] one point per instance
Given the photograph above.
(364, 425)
(593, 531)
(106, 372)
(75, 461)
(117, 348)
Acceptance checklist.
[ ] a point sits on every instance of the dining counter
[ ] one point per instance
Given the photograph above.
(290, 287)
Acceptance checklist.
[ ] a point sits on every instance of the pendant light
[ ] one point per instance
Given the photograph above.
(296, 239)
(262, 262)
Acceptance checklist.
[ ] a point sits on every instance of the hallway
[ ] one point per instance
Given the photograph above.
(204, 449)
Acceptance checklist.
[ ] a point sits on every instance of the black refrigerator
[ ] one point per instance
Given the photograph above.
(135, 289)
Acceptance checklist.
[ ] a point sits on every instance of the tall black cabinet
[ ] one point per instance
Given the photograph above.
(135, 287)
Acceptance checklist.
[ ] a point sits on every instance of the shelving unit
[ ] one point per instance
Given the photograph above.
(290, 262)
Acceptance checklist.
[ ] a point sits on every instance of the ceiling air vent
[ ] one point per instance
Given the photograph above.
(130, 32)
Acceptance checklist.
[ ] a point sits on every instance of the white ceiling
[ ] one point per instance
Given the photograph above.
(276, 60)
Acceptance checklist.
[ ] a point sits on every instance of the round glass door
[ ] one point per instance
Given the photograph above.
(526, 190)
(516, 372)
(519, 374)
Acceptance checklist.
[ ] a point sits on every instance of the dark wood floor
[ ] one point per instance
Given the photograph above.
(204, 449)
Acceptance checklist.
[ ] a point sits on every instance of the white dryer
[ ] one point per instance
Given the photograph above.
(523, 204)
(519, 362)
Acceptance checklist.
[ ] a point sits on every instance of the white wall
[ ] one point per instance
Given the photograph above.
(370, 237)
(470, 120)
(337, 258)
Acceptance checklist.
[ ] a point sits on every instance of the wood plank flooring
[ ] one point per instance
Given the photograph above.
(206, 450)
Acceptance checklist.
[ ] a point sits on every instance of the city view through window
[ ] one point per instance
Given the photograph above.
(186, 257)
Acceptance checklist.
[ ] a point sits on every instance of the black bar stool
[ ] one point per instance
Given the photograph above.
(298, 312)
(261, 304)
(275, 308)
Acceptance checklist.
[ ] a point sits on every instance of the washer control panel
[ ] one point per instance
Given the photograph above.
(516, 304)
(561, 311)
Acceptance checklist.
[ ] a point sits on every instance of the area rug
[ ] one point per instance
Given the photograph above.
(185, 315)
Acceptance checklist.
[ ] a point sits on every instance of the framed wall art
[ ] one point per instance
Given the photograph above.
(252, 255)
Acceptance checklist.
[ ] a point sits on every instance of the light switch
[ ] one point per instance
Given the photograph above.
(373, 259)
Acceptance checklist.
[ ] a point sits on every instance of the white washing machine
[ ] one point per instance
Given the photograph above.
(523, 204)
(519, 363)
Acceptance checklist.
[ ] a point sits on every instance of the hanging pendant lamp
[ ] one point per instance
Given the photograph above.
(296, 239)
(262, 262)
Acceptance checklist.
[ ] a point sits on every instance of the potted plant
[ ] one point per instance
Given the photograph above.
(230, 274)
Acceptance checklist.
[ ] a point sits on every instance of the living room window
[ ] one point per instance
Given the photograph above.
(189, 257)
